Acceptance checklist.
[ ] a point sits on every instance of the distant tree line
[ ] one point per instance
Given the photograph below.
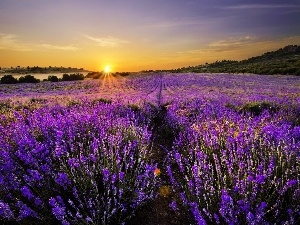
(284, 61)
(38, 69)
(10, 79)
(66, 77)
(226, 66)
(71, 77)
(94, 75)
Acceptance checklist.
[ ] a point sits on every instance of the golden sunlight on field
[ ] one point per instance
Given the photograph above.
(110, 82)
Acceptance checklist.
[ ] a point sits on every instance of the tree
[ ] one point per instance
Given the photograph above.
(8, 79)
(66, 77)
(76, 76)
(53, 78)
(28, 79)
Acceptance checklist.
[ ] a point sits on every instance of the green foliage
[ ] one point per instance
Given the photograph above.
(101, 100)
(134, 108)
(53, 78)
(94, 75)
(28, 79)
(71, 77)
(231, 106)
(256, 108)
(5, 106)
(38, 69)
(38, 100)
(283, 61)
(123, 74)
(291, 114)
(8, 79)
(74, 103)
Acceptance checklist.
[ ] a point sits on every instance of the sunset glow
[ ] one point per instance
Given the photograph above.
(142, 35)
(107, 69)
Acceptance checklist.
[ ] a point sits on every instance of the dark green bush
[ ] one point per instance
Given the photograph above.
(8, 79)
(256, 108)
(28, 79)
(101, 100)
(53, 78)
(71, 77)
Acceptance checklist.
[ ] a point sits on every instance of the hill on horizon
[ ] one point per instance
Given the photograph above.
(282, 61)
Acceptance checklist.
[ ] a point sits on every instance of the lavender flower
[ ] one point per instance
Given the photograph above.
(5, 211)
(94, 162)
(26, 192)
(173, 205)
(62, 179)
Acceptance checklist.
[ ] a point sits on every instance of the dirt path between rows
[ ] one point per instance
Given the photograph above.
(160, 210)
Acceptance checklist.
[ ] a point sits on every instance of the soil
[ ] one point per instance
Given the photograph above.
(159, 211)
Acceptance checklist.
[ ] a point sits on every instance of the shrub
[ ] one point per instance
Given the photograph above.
(8, 79)
(256, 108)
(53, 78)
(72, 166)
(28, 79)
(236, 169)
(102, 100)
(94, 75)
(71, 77)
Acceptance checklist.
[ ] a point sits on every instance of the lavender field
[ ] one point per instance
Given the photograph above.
(216, 148)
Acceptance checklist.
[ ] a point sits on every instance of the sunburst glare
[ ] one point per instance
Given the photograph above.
(107, 69)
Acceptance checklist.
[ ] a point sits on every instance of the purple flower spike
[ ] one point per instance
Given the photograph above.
(105, 173)
(26, 192)
(62, 179)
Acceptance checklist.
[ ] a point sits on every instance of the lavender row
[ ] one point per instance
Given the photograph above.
(139, 88)
(75, 153)
(81, 164)
(236, 167)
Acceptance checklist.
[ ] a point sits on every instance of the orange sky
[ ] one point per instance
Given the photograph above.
(142, 35)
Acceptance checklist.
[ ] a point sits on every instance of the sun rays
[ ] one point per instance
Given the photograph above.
(111, 82)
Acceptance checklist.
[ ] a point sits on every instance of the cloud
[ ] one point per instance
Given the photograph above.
(262, 6)
(107, 41)
(177, 23)
(238, 48)
(233, 42)
(56, 47)
(11, 42)
(224, 45)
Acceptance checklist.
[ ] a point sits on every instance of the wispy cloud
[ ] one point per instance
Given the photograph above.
(177, 23)
(11, 42)
(56, 47)
(224, 45)
(183, 22)
(262, 6)
(233, 42)
(237, 48)
(107, 41)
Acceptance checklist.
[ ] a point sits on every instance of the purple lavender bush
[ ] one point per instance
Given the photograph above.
(79, 164)
(235, 168)
(83, 152)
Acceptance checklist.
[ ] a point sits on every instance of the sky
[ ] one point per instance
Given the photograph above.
(135, 35)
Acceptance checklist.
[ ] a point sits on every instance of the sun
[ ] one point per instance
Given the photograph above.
(107, 69)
